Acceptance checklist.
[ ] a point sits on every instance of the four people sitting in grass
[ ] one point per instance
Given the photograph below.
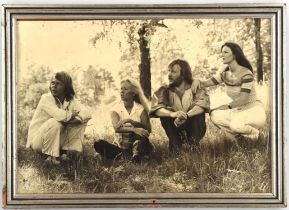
(59, 120)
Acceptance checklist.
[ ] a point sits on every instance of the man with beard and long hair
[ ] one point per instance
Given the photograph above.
(182, 112)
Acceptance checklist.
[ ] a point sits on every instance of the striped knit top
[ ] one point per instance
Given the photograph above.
(237, 82)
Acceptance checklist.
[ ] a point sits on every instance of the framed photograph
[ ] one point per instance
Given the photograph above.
(143, 105)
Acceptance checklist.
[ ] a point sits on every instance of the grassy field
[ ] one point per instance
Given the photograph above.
(221, 165)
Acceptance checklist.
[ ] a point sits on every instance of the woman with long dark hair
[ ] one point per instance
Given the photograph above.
(59, 121)
(131, 124)
(245, 115)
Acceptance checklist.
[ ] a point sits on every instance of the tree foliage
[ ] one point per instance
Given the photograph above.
(31, 88)
(253, 35)
(97, 82)
(139, 34)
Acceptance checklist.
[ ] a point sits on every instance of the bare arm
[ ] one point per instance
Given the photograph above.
(196, 110)
(117, 127)
(127, 129)
(162, 112)
(207, 83)
(198, 84)
(143, 100)
(145, 121)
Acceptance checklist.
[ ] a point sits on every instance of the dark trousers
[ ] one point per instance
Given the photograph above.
(191, 132)
(110, 151)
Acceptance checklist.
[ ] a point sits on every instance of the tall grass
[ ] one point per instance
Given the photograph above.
(220, 165)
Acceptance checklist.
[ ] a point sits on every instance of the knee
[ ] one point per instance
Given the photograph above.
(36, 146)
(99, 144)
(235, 125)
(216, 116)
(165, 121)
(54, 124)
(168, 124)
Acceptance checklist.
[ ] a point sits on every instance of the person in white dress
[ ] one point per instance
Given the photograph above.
(59, 121)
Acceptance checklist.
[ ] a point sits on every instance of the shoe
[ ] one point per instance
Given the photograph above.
(52, 160)
(64, 157)
(262, 140)
(136, 159)
(97, 156)
(254, 136)
(48, 159)
(55, 161)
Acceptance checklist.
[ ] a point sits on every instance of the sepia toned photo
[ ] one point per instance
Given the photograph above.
(153, 107)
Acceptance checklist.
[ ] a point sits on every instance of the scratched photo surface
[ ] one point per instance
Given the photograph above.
(99, 55)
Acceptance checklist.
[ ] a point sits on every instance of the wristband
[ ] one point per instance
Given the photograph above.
(229, 106)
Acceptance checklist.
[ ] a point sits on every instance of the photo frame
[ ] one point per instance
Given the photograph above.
(13, 74)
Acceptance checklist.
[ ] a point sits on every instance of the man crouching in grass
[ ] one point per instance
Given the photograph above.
(132, 125)
(59, 121)
(181, 112)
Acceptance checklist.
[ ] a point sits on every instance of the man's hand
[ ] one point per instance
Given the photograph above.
(179, 121)
(178, 114)
(141, 132)
(195, 85)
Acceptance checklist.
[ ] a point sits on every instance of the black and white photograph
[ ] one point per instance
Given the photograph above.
(155, 105)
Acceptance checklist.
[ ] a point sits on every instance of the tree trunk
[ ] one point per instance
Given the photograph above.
(259, 52)
(145, 65)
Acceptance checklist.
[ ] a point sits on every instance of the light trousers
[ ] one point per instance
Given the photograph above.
(53, 136)
(245, 120)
